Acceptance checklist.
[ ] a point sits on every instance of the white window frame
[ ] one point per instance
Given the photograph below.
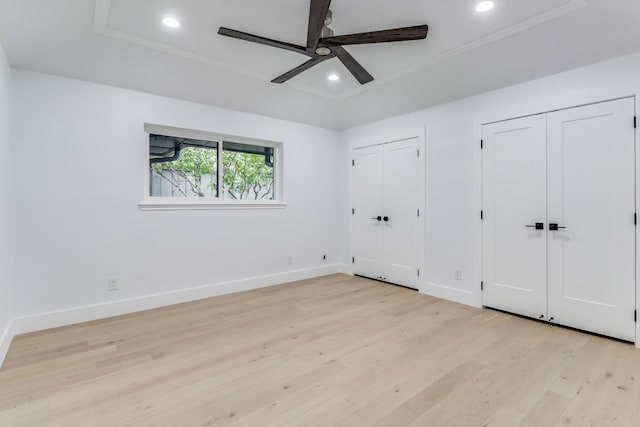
(180, 203)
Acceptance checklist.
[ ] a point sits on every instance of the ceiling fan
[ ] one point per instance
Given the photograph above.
(323, 45)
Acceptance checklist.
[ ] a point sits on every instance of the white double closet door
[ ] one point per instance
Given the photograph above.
(385, 199)
(559, 228)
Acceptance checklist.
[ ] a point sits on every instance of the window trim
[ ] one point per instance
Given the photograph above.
(176, 203)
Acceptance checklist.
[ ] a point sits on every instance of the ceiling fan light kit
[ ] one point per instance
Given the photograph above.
(322, 44)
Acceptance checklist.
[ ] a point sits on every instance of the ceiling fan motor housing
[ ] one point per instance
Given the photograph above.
(326, 32)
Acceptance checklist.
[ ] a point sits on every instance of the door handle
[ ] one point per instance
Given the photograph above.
(554, 226)
(377, 218)
(537, 226)
(385, 219)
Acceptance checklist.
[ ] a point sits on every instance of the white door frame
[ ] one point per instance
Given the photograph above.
(618, 90)
(401, 135)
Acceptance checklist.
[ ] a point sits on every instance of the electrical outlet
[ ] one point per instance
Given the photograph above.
(457, 275)
(112, 284)
(290, 260)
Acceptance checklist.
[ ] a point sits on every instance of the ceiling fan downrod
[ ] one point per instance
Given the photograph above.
(326, 32)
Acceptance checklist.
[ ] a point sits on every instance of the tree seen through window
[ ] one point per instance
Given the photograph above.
(181, 167)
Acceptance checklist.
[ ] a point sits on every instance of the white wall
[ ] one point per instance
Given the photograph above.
(452, 217)
(6, 196)
(81, 158)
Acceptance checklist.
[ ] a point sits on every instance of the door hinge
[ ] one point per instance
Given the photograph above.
(353, 260)
(418, 272)
(635, 218)
(353, 162)
(353, 211)
(635, 316)
(482, 286)
(481, 215)
(418, 212)
(635, 122)
(418, 152)
(481, 144)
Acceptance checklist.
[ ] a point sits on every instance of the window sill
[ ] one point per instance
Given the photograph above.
(197, 205)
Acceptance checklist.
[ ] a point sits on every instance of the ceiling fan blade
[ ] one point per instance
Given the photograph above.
(261, 40)
(317, 14)
(352, 65)
(394, 35)
(292, 73)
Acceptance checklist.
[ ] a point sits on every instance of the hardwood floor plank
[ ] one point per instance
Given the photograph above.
(533, 387)
(333, 351)
(546, 411)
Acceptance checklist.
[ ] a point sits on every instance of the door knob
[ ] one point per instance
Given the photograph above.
(554, 227)
(385, 219)
(537, 226)
(377, 218)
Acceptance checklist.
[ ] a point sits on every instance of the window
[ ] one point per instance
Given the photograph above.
(182, 167)
(188, 167)
(247, 171)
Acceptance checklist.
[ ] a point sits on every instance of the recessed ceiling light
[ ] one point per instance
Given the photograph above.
(171, 22)
(484, 6)
(333, 77)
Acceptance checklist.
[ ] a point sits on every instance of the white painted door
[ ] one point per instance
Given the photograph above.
(367, 184)
(385, 197)
(400, 220)
(514, 200)
(591, 190)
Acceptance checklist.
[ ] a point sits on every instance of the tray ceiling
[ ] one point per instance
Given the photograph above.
(455, 28)
(123, 43)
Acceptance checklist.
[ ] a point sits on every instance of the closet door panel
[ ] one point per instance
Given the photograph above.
(401, 201)
(367, 183)
(514, 200)
(591, 189)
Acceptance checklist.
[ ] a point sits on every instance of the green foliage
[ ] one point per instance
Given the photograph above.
(247, 174)
(244, 174)
(191, 166)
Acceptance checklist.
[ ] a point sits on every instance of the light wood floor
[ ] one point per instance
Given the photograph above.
(335, 351)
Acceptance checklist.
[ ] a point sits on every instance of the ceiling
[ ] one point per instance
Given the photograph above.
(124, 43)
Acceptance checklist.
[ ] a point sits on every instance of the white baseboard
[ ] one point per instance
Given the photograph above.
(54, 319)
(346, 269)
(5, 340)
(451, 294)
